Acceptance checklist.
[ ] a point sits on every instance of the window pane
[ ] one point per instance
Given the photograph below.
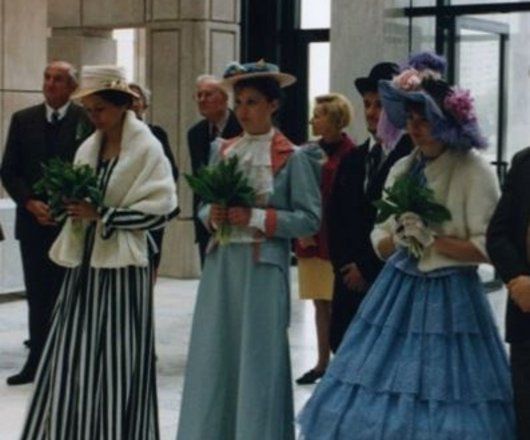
(423, 34)
(315, 14)
(318, 73)
(478, 71)
(474, 2)
(125, 47)
(422, 3)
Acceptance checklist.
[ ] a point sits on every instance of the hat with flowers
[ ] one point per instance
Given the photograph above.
(450, 110)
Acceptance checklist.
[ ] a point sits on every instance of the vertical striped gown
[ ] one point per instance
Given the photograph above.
(96, 379)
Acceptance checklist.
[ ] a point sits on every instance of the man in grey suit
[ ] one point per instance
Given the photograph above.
(52, 129)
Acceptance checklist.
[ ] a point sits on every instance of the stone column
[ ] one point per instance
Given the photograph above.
(23, 58)
(22, 61)
(182, 43)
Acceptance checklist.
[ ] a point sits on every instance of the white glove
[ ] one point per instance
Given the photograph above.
(413, 227)
(410, 232)
(398, 235)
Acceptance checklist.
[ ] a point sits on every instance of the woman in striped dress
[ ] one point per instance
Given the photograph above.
(97, 375)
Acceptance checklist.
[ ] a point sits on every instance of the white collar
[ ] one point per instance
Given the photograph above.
(265, 137)
(50, 110)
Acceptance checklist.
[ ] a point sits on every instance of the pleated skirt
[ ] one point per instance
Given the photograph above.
(96, 379)
(422, 360)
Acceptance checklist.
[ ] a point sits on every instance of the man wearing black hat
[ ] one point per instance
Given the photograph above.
(351, 215)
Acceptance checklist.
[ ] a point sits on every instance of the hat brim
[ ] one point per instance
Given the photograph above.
(81, 93)
(395, 102)
(284, 79)
(364, 85)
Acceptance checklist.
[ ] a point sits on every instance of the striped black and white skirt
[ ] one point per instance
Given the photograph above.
(97, 377)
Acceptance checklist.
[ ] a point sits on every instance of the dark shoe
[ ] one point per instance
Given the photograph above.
(310, 377)
(22, 378)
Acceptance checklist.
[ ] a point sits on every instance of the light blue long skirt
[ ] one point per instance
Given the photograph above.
(238, 376)
(422, 360)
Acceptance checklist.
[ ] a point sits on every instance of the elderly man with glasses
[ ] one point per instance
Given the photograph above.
(218, 121)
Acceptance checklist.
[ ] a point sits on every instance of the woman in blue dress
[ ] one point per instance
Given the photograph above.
(238, 377)
(422, 359)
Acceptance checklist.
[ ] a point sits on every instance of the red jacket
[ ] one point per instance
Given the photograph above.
(334, 153)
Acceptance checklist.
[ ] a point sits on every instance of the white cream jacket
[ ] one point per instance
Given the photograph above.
(465, 183)
(141, 181)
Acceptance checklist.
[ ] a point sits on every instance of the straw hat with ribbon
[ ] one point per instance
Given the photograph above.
(102, 77)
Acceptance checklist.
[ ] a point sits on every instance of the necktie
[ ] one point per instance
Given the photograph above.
(55, 118)
(374, 160)
(214, 132)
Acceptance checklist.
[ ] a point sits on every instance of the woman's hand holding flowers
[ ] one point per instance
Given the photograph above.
(218, 214)
(81, 210)
(239, 216)
(411, 232)
(413, 226)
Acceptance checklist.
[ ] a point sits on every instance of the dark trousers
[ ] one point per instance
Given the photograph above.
(344, 306)
(43, 280)
(520, 363)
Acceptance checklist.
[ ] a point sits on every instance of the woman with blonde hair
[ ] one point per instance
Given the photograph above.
(331, 115)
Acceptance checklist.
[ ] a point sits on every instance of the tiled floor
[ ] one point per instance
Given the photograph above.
(174, 307)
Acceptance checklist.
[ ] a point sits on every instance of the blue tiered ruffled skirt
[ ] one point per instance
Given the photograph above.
(422, 360)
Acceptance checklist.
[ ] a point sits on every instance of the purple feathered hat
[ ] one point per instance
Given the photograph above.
(429, 62)
(450, 110)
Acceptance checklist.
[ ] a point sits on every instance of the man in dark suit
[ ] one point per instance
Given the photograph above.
(508, 244)
(52, 129)
(351, 215)
(219, 121)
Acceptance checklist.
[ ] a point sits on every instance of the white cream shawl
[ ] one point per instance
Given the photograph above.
(141, 181)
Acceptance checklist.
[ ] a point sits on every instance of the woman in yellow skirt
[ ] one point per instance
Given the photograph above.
(331, 114)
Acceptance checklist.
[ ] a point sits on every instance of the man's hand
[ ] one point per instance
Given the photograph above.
(352, 277)
(519, 289)
(41, 212)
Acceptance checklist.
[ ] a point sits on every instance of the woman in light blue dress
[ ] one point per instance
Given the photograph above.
(238, 379)
(422, 359)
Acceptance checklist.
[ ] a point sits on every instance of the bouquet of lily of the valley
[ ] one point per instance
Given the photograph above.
(62, 182)
(223, 184)
(415, 210)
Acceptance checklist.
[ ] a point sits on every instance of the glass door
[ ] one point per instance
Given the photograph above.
(479, 63)
(476, 51)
